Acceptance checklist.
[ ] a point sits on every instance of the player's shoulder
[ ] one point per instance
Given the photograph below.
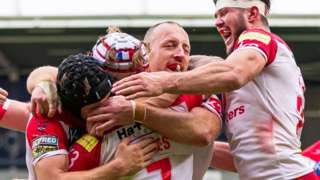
(38, 120)
(39, 125)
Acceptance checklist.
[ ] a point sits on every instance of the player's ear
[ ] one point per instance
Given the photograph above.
(147, 46)
(253, 14)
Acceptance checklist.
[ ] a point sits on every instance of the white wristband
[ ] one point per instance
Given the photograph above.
(133, 105)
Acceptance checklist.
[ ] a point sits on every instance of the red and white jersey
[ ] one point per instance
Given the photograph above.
(174, 160)
(4, 107)
(265, 117)
(202, 157)
(48, 137)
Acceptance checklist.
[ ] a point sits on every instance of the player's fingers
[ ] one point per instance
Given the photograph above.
(130, 90)
(87, 109)
(43, 106)
(33, 107)
(52, 109)
(100, 117)
(126, 140)
(149, 156)
(105, 126)
(147, 163)
(138, 95)
(145, 142)
(150, 148)
(2, 97)
(125, 80)
(3, 92)
(98, 111)
(126, 85)
(59, 107)
(91, 128)
(52, 106)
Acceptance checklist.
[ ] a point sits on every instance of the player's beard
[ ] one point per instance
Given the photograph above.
(241, 26)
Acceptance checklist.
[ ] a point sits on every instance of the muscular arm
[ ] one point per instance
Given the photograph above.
(59, 167)
(198, 127)
(44, 73)
(223, 76)
(129, 159)
(16, 117)
(42, 87)
(219, 76)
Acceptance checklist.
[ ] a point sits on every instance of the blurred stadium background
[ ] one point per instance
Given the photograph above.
(43, 32)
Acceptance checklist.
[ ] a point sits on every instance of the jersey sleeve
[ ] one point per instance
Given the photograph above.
(4, 107)
(84, 154)
(213, 104)
(46, 138)
(259, 40)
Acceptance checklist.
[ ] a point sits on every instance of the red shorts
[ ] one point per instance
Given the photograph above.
(310, 176)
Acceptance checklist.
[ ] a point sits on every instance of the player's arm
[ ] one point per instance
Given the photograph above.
(129, 159)
(43, 73)
(219, 76)
(56, 168)
(201, 60)
(198, 127)
(16, 115)
(41, 85)
(222, 157)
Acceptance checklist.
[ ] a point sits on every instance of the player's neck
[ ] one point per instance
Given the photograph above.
(260, 26)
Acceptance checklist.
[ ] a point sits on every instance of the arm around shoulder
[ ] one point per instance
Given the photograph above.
(43, 73)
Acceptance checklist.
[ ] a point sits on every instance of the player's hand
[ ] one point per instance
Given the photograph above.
(142, 85)
(131, 158)
(109, 113)
(3, 95)
(44, 99)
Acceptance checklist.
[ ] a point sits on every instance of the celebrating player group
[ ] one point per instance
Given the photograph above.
(147, 109)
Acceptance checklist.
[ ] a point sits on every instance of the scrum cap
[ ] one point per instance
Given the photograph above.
(81, 80)
(121, 52)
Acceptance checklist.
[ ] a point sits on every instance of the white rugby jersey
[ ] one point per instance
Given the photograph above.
(174, 161)
(265, 117)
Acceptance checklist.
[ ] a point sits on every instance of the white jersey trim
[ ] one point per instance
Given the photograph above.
(211, 109)
(49, 154)
(301, 173)
(252, 47)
